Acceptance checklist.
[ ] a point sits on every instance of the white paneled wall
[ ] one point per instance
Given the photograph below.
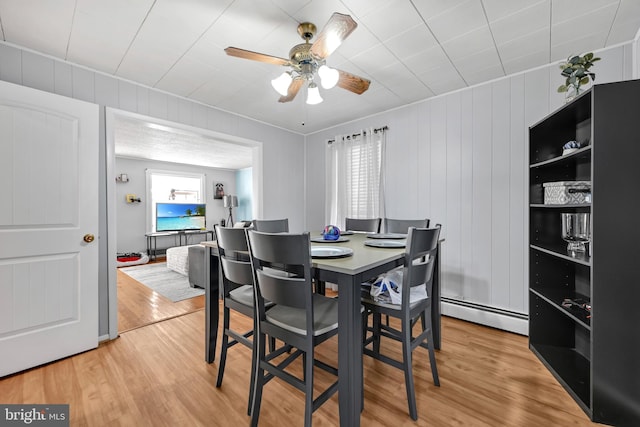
(283, 151)
(461, 160)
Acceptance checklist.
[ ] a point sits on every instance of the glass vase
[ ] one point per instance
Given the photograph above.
(576, 231)
(572, 93)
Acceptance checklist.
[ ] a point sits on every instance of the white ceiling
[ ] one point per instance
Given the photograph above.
(139, 139)
(409, 49)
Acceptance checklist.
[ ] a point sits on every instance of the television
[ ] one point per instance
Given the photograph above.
(180, 216)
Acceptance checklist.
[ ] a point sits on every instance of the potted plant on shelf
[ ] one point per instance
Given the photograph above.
(576, 72)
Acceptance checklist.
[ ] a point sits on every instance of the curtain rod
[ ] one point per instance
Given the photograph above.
(382, 129)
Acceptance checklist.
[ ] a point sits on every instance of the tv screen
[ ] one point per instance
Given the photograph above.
(180, 216)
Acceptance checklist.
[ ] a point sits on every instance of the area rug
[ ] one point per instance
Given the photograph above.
(167, 283)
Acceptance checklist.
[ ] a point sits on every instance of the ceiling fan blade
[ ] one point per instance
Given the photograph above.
(254, 56)
(333, 34)
(293, 90)
(352, 82)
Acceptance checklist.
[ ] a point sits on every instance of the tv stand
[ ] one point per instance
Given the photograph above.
(183, 239)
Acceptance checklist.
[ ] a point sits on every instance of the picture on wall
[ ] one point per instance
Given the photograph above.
(218, 192)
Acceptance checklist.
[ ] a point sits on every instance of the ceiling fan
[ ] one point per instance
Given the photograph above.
(306, 60)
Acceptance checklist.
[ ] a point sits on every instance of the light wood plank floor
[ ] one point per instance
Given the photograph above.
(139, 305)
(156, 376)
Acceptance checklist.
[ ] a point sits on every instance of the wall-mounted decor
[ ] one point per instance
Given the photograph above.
(123, 177)
(218, 192)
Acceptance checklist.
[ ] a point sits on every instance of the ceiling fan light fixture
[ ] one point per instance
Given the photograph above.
(282, 82)
(313, 94)
(328, 76)
(306, 61)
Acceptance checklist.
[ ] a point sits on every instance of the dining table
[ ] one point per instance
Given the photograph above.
(362, 264)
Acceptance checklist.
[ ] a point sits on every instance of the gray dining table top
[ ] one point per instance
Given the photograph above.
(363, 258)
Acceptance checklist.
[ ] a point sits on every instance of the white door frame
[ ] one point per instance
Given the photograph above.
(110, 116)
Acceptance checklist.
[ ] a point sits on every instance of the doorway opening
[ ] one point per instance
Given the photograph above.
(136, 144)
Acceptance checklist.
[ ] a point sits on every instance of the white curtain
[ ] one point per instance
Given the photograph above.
(355, 176)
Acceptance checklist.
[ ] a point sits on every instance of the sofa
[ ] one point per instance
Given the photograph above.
(196, 266)
(177, 259)
(188, 261)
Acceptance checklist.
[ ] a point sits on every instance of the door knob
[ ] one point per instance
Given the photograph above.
(88, 238)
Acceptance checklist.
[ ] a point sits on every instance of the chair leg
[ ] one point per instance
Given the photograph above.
(304, 367)
(432, 357)
(377, 317)
(427, 326)
(258, 384)
(308, 382)
(365, 325)
(254, 362)
(225, 346)
(408, 368)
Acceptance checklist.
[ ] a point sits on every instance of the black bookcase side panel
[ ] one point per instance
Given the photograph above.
(616, 271)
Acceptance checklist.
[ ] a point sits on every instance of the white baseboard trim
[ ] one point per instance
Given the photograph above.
(487, 318)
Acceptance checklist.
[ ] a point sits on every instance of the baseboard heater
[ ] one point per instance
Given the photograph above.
(507, 320)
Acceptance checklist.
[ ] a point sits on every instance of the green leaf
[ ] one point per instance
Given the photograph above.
(584, 80)
(562, 89)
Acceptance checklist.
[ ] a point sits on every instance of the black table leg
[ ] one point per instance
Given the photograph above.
(212, 309)
(350, 352)
(435, 305)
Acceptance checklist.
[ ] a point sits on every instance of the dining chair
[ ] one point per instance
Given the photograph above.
(300, 317)
(419, 261)
(358, 224)
(402, 225)
(237, 295)
(271, 225)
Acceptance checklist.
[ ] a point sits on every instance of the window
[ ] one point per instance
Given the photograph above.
(172, 187)
(355, 177)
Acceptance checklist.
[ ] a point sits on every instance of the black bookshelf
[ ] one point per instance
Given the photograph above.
(593, 349)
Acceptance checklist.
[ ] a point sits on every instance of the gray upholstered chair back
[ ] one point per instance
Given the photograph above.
(368, 224)
(271, 225)
(402, 225)
(419, 262)
(233, 253)
(290, 250)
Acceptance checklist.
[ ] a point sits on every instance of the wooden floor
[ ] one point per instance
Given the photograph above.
(139, 306)
(156, 376)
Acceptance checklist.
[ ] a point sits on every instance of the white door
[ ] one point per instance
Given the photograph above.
(48, 214)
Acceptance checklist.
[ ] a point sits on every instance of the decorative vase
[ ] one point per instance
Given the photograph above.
(572, 93)
(331, 232)
(576, 231)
